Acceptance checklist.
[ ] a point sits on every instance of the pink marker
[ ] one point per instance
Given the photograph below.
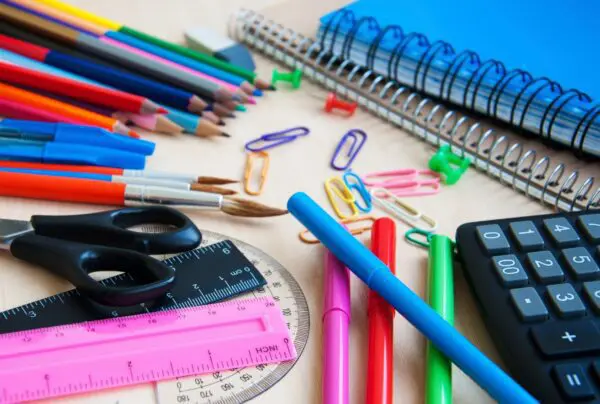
(336, 319)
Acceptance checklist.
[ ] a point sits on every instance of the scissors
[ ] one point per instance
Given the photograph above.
(75, 246)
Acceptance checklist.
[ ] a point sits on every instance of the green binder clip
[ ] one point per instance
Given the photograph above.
(450, 165)
(295, 77)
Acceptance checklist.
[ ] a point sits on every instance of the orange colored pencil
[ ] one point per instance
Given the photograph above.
(84, 116)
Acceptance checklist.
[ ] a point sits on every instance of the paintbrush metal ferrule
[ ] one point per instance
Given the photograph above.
(151, 182)
(139, 195)
(190, 179)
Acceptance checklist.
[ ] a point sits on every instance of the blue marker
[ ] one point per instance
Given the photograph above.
(75, 134)
(63, 153)
(378, 277)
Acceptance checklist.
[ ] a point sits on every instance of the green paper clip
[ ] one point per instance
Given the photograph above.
(295, 77)
(450, 165)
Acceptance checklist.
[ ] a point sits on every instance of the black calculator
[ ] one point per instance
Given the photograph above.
(537, 282)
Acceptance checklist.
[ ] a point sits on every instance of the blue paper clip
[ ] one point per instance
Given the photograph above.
(360, 187)
(270, 140)
(356, 144)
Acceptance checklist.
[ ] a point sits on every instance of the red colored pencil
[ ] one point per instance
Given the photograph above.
(380, 363)
(15, 110)
(89, 93)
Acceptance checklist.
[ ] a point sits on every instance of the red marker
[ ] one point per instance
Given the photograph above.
(380, 365)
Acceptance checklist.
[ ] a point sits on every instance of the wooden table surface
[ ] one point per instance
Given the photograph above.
(302, 166)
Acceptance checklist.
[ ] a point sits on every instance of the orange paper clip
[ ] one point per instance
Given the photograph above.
(305, 235)
(263, 172)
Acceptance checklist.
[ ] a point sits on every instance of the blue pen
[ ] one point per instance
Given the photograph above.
(378, 277)
(76, 134)
(18, 150)
(103, 177)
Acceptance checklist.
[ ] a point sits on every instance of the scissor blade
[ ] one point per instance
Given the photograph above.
(11, 229)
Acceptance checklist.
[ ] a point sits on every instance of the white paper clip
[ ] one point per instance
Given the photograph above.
(400, 210)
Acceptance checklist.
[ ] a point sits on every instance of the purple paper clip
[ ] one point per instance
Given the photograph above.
(356, 144)
(270, 140)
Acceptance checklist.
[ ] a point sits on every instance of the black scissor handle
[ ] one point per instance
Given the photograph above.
(75, 261)
(110, 229)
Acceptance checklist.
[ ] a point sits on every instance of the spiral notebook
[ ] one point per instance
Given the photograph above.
(566, 184)
(530, 64)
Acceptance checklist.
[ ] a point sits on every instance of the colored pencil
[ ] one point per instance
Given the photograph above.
(161, 175)
(15, 110)
(28, 98)
(89, 43)
(95, 95)
(195, 125)
(208, 72)
(163, 123)
(113, 26)
(123, 81)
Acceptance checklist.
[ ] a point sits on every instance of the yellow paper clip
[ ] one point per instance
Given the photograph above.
(355, 231)
(263, 173)
(402, 210)
(335, 185)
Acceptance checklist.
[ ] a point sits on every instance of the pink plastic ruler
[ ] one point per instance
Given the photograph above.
(102, 354)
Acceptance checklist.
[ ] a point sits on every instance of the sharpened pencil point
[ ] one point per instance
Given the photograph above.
(225, 134)
(272, 88)
(257, 92)
(134, 134)
(161, 110)
(221, 123)
(252, 101)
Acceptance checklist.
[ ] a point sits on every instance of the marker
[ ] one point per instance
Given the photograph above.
(336, 319)
(378, 277)
(380, 362)
(74, 134)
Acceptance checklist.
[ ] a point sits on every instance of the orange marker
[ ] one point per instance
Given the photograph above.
(82, 115)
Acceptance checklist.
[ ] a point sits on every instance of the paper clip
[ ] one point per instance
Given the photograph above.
(414, 188)
(304, 235)
(263, 173)
(410, 237)
(352, 137)
(452, 166)
(335, 185)
(363, 192)
(271, 140)
(402, 210)
(384, 178)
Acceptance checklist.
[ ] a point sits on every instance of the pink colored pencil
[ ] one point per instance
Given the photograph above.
(148, 55)
(12, 109)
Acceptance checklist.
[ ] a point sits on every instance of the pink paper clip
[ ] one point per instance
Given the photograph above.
(414, 188)
(386, 179)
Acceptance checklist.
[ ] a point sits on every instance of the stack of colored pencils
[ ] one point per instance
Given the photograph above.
(59, 63)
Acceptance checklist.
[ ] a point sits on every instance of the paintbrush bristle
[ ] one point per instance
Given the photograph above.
(246, 208)
(215, 181)
(213, 189)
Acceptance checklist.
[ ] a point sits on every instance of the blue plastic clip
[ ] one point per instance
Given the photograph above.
(270, 140)
(356, 144)
(362, 190)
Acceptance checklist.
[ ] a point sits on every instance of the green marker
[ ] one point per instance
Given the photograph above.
(440, 297)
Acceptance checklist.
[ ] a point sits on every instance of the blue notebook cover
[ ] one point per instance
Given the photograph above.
(552, 39)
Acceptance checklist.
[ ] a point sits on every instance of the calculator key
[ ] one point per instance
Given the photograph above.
(590, 225)
(566, 300)
(529, 304)
(573, 381)
(581, 262)
(545, 266)
(555, 339)
(493, 239)
(592, 291)
(527, 235)
(510, 270)
(561, 231)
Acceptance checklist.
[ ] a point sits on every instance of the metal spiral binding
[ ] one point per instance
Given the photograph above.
(433, 122)
(433, 50)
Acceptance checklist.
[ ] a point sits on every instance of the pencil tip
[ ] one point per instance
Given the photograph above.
(257, 92)
(252, 101)
(133, 134)
(225, 134)
(221, 123)
(272, 88)
(161, 110)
